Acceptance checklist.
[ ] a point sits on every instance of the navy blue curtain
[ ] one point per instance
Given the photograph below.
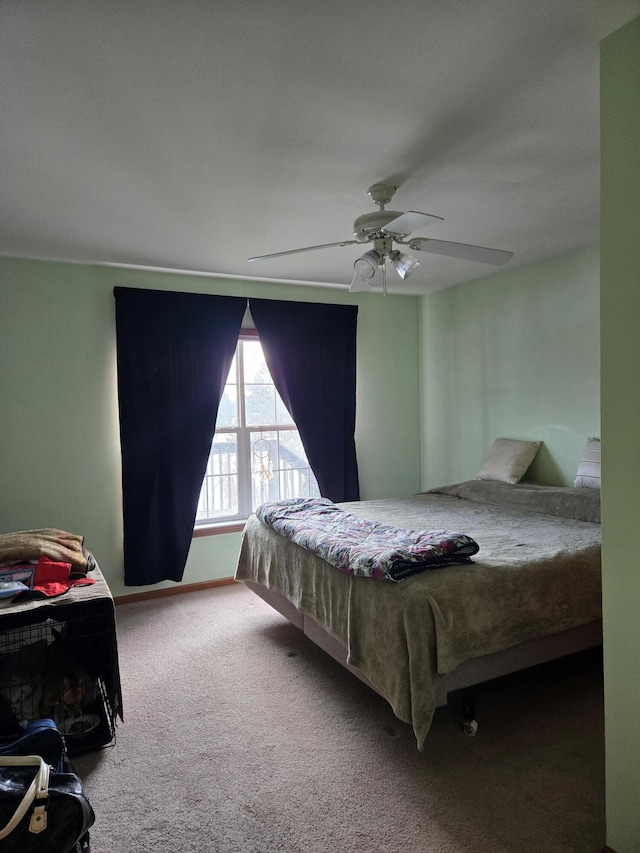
(310, 349)
(174, 351)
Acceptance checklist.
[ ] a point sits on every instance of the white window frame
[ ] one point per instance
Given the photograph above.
(235, 522)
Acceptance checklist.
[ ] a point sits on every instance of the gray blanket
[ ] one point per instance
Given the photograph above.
(535, 574)
(30, 545)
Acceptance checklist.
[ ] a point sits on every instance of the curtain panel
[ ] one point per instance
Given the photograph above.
(310, 349)
(174, 351)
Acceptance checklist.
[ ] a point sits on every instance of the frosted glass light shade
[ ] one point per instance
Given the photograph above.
(367, 264)
(404, 264)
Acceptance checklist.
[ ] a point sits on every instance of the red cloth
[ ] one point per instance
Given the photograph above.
(52, 578)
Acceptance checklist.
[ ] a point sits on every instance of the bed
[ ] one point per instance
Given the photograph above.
(531, 594)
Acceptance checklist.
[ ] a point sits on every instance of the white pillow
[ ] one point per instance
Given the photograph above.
(588, 475)
(508, 460)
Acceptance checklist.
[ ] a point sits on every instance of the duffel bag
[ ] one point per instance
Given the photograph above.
(41, 810)
(39, 737)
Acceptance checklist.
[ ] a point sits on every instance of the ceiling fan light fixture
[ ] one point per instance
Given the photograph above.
(367, 264)
(404, 264)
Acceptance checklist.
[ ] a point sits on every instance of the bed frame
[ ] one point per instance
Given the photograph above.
(468, 674)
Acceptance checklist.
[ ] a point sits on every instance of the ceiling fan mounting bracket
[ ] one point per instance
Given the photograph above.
(381, 193)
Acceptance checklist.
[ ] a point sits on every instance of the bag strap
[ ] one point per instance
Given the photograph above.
(38, 792)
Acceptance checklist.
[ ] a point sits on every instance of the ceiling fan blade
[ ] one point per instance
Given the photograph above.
(358, 284)
(305, 249)
(461, 250)
(411, 221)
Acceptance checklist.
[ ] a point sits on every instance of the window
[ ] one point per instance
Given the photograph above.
(256, 453)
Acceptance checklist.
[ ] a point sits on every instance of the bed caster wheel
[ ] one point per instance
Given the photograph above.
(470, 727)
(468, 708)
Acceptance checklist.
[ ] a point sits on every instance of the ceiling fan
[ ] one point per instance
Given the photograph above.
(386, 227)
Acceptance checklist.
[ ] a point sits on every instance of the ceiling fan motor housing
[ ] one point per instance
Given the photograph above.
(369, 224)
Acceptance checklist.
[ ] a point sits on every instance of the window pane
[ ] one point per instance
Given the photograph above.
(255, 367)
(219, 493)
(279, 468)
(282, 415)
(296, 477)
(260, 404)
(228, 411)
(291, 450)
(264, 406)
(232, 378)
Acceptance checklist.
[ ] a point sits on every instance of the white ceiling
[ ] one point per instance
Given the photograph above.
(192, 134)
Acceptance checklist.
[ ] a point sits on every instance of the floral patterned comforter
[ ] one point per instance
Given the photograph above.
(359, 546)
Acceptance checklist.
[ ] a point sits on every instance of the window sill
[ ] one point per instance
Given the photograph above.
(217, 529)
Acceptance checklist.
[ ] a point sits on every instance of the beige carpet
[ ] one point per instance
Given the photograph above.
(240, 735)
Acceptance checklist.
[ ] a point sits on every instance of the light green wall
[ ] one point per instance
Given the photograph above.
(620, 268)
(513, 355)
(59, 437)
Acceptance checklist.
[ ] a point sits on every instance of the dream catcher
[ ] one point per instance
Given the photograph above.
(262, 461)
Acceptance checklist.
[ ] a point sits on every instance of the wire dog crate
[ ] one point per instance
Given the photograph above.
(58, 659)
